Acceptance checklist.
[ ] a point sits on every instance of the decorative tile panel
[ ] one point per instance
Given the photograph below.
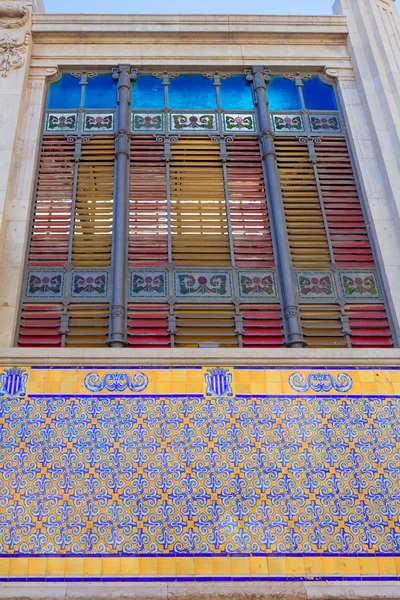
(360, 284)
(61, 122)
(325, 123)
(287, 123)
(243, 472)
(148, 284)
(94, 122)
(315, 285)
(203, 284)
(244, 122)
(89, 284)
(45, 284)
(193, 121)
(257, 284)
(142, 121)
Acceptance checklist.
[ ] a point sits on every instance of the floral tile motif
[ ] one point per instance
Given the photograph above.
(89, 284)
(360, 284)
(257, 284)
(45, 284)
(315, 284)
(325, 123)
(244, 122)
(203, 284)
(287, 123)
(195, 121)
(148, 284)
(98, 122)
(61, 122)
(142, 121)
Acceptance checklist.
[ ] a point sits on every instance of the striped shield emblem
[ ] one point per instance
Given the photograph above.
(218, 382)
(13, 382)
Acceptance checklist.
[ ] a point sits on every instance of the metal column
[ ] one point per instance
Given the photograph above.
(119, 265)
(259, 78)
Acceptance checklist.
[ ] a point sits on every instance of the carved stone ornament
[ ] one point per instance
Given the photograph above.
(13, 14)
(12, 52)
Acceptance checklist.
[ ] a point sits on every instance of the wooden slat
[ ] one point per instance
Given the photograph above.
(40, 325)
(263, 326)
(148, 326)
(369, 326)
(148, 225)
(198, 323)
(94, 204)
(199, 222)
(52, 212)
(88, 325)
(249, 214)
(304, 219)
(322, 327)
(347, 228)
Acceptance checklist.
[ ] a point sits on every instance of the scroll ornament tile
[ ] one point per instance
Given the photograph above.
(61, 121)
(257, 284)
(320, 382)
(89, 284)
(98, 122)
(193, 122)
(12, 51)
(203, 284)
(239, 122)
(148, 284)
(147, 121)
(116, 382)
(284, 123)
(360, 284)
(315, 284)
(45, 284)
(325, 123)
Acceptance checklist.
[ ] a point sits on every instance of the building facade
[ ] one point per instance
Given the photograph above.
(200, 303)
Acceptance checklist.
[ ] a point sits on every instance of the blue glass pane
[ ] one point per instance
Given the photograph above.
(147, 92)
(319, 95)
(192, 92)
(65, 93)
(283, 94)
(236, 94)
(101, 92)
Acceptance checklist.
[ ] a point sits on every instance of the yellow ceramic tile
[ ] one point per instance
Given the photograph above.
(366, 376)
(332, 565)
(111, 567)
(166, 566)
(129, 566)
(397, 562)
(313, 565)
(369, 388)
(258, 565)
(221, 566)
(274, 388)
(396, 388)
(184, 566)
(148, 566)
(74, 567)
(240, 565)
(368, 565)
(243, 388)
(55, 566)
(386, 565)
(92, 567)
(179, 375)
(4, 567)
(393, 376)
(37, 567)
(349, 565)
(295, 565)
(203, 565)
(273, 376)
(276, 565)
(19, 567)
(385, 388)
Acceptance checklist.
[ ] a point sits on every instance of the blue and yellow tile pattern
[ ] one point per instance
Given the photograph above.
(199, 473)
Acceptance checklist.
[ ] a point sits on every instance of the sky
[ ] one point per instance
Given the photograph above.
(294, 7)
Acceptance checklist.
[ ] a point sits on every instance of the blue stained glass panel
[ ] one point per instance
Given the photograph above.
(147, 92)
(192, 92)
(101, 92)
(65, 93)
(319, 95)
(236, 94)
(283, 94)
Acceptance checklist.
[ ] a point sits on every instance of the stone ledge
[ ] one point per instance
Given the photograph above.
(202, 591)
